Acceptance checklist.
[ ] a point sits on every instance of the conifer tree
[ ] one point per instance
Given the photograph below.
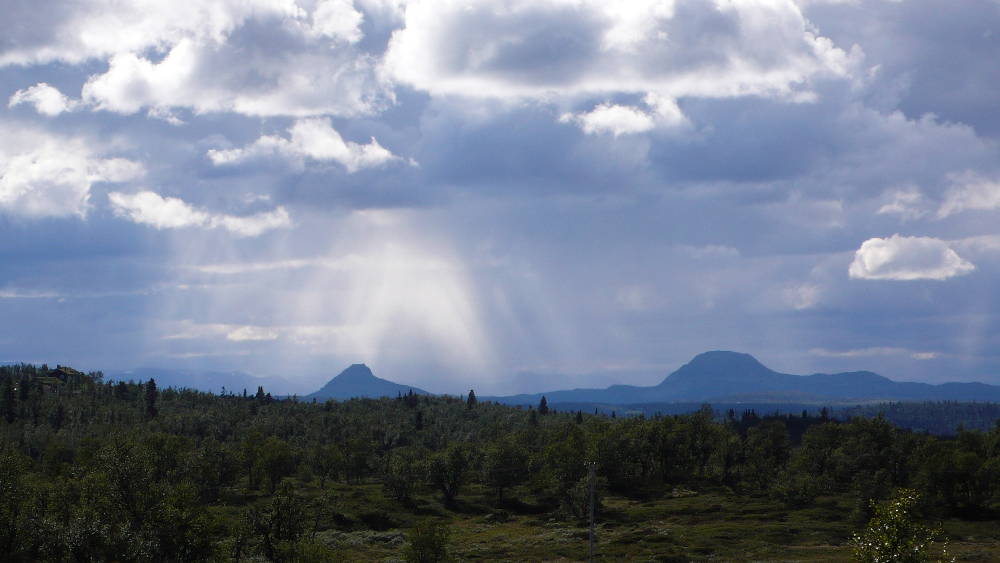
(150, 398)
(7, 409)
(543, 406)
(470, 403)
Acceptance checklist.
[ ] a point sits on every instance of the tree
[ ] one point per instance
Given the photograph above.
(446, 471)
(505, 466)
(327, 461)
(470, 403)
(277, 526)
(7, 408)
(402, 470)
(150, 399)
(276, 461)
(543, 406)
(894, 535)
(12, 504)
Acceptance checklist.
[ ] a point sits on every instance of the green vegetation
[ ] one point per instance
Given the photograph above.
(96, 471)
(893, 535)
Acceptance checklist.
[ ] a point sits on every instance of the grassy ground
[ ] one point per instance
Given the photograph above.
(683, 526)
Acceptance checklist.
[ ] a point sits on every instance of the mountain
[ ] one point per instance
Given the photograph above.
(213, 381)
(359, 381)
(722, 376)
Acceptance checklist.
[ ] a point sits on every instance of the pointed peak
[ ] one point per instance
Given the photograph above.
(719, 365)
(356, 372)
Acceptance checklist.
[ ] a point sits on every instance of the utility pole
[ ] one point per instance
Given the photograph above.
(592, 480)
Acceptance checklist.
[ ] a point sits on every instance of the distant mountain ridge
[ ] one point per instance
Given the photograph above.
(359, 381)
(724, 376)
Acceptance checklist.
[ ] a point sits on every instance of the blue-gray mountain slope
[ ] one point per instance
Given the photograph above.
(721, 376)
(359, 381)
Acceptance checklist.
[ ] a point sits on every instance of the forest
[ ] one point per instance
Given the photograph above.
(92, 470)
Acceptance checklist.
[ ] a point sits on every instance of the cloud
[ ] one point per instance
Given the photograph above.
(623, 120)
(76, 32)
(313, 139)
(970, 191)
(875, 351)
(540, 49)
(46, 99)
(908, 203)
(337, 19)
(297, 80)
(255, 57)
(907, 258)
(252, 334)
(45, 175)
(614, 119)
(150, 208)
(803, 296)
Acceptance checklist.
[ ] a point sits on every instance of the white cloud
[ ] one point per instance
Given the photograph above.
(539, 49)
(254, 225)
(43, 175)
(255, 57)
(614, 119)
(150, 208)
(75, 32)
(907, 258)
(46, 99)
(970, 191)
(314, 139)
(803, 297)
(624, 120)
(875, 351)
(908, 203)
(249, 333)
(299, 80)
(337, 19)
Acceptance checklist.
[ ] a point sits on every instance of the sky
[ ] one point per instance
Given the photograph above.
(510, 196)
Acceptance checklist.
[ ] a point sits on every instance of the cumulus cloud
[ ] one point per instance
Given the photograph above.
(338, 19)
(537, 49)
(298, 80)
(907, 258)
(622, 120)
(314, 139)
(614, 119)
(256, 57)
(46, 99)
(150, 208)
(75, 32)
(44, 175)
(970, 191)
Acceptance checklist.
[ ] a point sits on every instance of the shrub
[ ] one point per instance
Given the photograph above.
(427, 543)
